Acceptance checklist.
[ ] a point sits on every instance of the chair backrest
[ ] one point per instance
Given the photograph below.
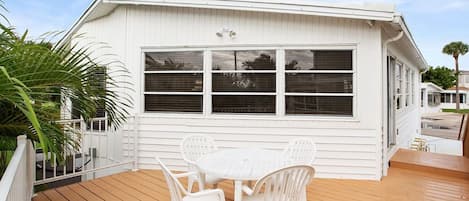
(176, 189)
(286, 184)
(195, 146)
(300, 151)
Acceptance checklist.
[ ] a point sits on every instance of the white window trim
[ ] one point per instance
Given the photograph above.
(142, 82)
(400, 83)
(408, 101)
(280, 84)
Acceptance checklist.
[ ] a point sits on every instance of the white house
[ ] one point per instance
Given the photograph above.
(431, 98)
(258, 73)
(448, 98)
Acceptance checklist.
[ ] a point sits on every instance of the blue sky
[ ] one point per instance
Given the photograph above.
(433, 23)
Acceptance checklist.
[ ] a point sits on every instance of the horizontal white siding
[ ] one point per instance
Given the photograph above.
(347, 148)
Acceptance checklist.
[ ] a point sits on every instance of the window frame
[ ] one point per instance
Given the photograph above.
(352, 71)
(399, 84)
(407, 92)
(279, 94)
(144, 72)
(211, 71)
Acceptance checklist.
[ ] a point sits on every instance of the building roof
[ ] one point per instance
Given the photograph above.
(365, 11)
(426, 85)
(460, 88)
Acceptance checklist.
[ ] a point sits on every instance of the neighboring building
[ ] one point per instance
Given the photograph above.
(259, 73)
(431, 98)
(448, 97)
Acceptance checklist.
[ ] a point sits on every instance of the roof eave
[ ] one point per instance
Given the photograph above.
(399, 19)
(273, 6)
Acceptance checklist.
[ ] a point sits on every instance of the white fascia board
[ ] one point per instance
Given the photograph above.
(329, 10)
(425, 85)
(399, 19)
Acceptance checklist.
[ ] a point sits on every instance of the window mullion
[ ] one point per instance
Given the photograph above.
(207, 104)
(280, 83)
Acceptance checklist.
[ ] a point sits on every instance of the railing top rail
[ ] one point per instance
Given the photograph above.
(9, 176)
(93, 119)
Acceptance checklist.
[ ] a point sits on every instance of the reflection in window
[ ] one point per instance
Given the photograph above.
(253, 85)
(318, 60)
(174, 82)
(319, 83)
(179, 91)
(399, 84)
(309, 90)
(323, 105)
(243, 82)
(244, 60)
(174, 61)
(173, 103)
(243, 104)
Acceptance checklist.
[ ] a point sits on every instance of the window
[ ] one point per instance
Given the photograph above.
(407, 87)
(412, 81)
(174, 81)
(313, 82)
(399, 84)
(244, 81)
(434, 98)
(319, 82)
(422, 92)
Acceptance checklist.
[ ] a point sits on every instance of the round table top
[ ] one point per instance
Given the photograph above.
(240, 164)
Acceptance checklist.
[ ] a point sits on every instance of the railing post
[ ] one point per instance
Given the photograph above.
(31, 166)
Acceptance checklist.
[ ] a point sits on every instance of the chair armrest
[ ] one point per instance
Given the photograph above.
(247, 190)
(185, 174)
(209, 194)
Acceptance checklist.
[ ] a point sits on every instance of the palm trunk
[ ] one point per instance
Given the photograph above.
(458, 99)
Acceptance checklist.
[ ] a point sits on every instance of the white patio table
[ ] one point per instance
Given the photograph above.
(245, 164)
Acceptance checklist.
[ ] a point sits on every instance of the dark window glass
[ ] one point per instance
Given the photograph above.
(173, 103)
(174, 61)
(319, 83)
(321, 105)
(243, 104)
(177, 82)
(243, 60)
(318, 60)
(243, 82)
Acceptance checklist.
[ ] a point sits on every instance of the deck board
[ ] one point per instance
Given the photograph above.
(69, 194)
(400, 184)
(443, 164)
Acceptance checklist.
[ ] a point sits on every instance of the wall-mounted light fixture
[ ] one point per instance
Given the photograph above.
(230, 32)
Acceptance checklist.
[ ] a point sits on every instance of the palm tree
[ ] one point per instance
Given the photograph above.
(36, 79)
(456, 49)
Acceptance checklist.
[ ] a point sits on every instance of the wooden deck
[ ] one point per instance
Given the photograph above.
(400, 184)
(442, 164)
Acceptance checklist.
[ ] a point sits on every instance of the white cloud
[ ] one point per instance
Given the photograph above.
(39, 17)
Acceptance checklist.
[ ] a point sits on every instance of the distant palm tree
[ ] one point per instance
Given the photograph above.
(456, 49)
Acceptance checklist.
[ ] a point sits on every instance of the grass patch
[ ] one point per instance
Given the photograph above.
(461, 111)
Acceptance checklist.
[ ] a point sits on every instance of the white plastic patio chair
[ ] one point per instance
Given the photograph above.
(300, 151)
(194, 147)
(286, 184)
(179, 193)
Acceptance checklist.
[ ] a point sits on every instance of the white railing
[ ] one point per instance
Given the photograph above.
(102, 151)
(17, 181)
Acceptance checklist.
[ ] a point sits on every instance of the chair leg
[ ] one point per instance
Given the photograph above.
(190, 184)
(304, 195)
(201, 185)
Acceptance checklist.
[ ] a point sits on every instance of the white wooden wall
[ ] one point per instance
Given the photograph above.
(347, 148)
(408, 119)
